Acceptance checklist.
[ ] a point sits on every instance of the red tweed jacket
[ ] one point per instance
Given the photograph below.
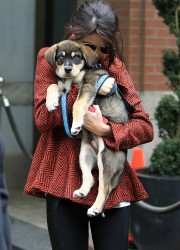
(55, 166)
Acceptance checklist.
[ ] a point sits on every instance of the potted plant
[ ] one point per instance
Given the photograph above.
(155, 224)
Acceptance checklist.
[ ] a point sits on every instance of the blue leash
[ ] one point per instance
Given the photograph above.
(64, 114)
(64, 103)
(100, 83)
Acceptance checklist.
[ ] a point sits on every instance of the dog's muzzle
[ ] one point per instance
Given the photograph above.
(68, 69)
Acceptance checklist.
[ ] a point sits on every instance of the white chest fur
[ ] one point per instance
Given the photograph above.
(65, 86)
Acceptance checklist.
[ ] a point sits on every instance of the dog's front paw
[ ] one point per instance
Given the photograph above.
(76, 128)
(52, 103)
(79, 194)
(93, 211)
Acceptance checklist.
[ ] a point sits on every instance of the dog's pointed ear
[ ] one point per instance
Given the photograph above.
(89, 55)
(51, 53)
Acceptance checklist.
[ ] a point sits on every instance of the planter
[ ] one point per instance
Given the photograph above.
(157, 230)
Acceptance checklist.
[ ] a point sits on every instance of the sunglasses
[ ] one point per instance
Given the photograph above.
(104, 49)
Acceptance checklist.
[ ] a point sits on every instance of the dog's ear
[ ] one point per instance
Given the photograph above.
(89, 55)
(51, 53)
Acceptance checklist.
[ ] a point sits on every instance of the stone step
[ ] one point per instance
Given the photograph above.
(26, 236)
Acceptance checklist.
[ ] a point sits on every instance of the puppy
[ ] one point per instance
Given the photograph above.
(72, 60)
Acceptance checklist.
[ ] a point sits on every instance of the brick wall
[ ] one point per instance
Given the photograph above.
(145, 36)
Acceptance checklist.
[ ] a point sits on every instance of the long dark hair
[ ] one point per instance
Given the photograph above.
(97, 16)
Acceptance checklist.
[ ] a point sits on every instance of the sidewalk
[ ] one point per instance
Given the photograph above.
(28, 222)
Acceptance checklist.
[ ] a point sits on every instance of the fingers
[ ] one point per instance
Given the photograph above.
(107, 86)
(93, 115)
(94, 108)
(110, 80)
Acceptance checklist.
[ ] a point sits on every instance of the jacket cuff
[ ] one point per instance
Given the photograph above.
(117, 135)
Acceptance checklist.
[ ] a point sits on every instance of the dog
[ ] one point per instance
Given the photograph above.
(74, 62)
(70, 58)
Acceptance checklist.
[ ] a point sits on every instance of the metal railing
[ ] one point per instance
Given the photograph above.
(6, 104)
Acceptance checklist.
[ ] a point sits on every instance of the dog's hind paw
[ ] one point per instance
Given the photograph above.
(92, 212)
(78, 194)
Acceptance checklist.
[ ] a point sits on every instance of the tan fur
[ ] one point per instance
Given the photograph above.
(93, 151)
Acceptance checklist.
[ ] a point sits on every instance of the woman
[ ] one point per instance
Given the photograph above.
(55, 172)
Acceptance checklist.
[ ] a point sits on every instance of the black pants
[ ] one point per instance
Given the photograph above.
(68, 226)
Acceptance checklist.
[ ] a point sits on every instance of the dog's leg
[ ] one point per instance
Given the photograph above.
(110, 165)
(87, 160)
(84, 100)
(79, 109)
(52, 97)
(98, 205)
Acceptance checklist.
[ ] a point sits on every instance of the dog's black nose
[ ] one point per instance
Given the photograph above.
(68, 70)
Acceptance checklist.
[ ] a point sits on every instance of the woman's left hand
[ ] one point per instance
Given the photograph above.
(93, 121)
(107, 86)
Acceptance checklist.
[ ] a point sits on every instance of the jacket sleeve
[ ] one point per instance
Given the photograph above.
(44, 76)
(139, 129)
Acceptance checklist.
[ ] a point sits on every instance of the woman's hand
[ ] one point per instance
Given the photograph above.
(107, 86)
(93, 121)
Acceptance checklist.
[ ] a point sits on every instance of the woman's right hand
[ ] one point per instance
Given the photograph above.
(93, 121)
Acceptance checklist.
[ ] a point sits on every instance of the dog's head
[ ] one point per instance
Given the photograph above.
(70, 58)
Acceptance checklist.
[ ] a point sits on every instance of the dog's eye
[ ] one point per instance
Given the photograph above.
(77, 56)
(61, 56)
